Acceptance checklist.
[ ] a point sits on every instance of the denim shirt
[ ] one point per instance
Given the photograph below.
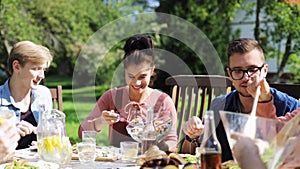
(40, 94)
(230, 102)
(283, 102)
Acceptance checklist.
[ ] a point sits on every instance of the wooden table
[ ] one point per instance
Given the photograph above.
(32, 157)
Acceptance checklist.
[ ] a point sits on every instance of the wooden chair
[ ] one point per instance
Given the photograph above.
(192, 94)
(290, 89)
(57, 97)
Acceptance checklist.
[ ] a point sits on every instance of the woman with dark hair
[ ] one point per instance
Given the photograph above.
(112, 107)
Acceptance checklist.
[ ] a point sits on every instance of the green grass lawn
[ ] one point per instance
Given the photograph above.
(78, 110)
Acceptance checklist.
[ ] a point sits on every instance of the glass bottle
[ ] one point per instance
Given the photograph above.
(210, 148)
(149, 133)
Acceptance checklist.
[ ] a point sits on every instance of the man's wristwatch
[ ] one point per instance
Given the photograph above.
(266, 101)
(191, 140)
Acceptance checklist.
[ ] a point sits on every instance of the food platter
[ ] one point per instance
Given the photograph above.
(24, 164)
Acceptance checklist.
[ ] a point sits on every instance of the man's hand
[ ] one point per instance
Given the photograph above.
(289, 115)
(25, 128)
(265, 94)
(193, 127)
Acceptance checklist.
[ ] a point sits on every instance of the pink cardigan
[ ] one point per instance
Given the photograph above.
(113, 97)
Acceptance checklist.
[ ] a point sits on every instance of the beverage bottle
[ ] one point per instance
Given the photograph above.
(149, 133)
(210, 147)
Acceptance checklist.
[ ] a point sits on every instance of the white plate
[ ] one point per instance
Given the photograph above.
(40, 164)
(26, 154)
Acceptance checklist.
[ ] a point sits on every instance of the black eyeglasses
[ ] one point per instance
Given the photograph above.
(238, 74)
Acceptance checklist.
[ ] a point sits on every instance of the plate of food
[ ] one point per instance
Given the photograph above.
(230, 165)
(156, 158)
(24, 164)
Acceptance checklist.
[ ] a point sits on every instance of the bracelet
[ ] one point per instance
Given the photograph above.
(194, 140)
(96, 127)
(266, 101)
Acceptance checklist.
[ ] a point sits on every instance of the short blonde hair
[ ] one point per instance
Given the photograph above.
(27, 51)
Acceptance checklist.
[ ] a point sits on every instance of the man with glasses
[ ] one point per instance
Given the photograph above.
(247, 70)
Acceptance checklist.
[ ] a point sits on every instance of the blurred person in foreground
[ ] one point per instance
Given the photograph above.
(247, 152)
(22, 93)
(9, 137)
(139, 67)
(247, 70)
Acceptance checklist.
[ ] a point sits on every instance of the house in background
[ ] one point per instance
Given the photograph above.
(245, 24)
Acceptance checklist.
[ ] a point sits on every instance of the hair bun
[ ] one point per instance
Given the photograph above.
(138, 42)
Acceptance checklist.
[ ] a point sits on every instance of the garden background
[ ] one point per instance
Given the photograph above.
(65, 26)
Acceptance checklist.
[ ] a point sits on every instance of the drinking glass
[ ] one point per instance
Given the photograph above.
(129, 150)
(86, 152)
(89, 136)
(7, 116)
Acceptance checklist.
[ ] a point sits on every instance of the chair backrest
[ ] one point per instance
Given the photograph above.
(56, 93)
(290, 89)
(192, 94)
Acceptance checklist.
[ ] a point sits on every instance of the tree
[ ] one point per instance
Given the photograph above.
(212, 17)
(282, 28)
(62, 26)
(276, 24)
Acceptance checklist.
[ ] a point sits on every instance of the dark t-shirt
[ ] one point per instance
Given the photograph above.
(25, 141)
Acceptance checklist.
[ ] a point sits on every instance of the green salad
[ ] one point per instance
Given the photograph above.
(191, 159)
(20, 164)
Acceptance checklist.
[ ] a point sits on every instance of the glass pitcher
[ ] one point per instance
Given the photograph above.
(53, 143)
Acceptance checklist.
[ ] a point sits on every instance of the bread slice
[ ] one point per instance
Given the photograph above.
(178, 158)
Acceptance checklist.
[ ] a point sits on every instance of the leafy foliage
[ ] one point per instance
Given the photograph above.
(286, 19)
(66, 26)
(63, 26)
(277, 28)
(212, 17)
(279, 35)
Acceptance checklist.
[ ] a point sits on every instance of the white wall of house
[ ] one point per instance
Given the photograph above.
(246, 26)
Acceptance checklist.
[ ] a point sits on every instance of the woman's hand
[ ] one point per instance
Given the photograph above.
(25, 128)
(107, 117)
(110, 117)
(9, 137)
(193, 127)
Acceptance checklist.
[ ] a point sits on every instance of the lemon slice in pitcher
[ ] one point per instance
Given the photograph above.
(56, 142)
(48, 144)
(2, 120)
(52, 142)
